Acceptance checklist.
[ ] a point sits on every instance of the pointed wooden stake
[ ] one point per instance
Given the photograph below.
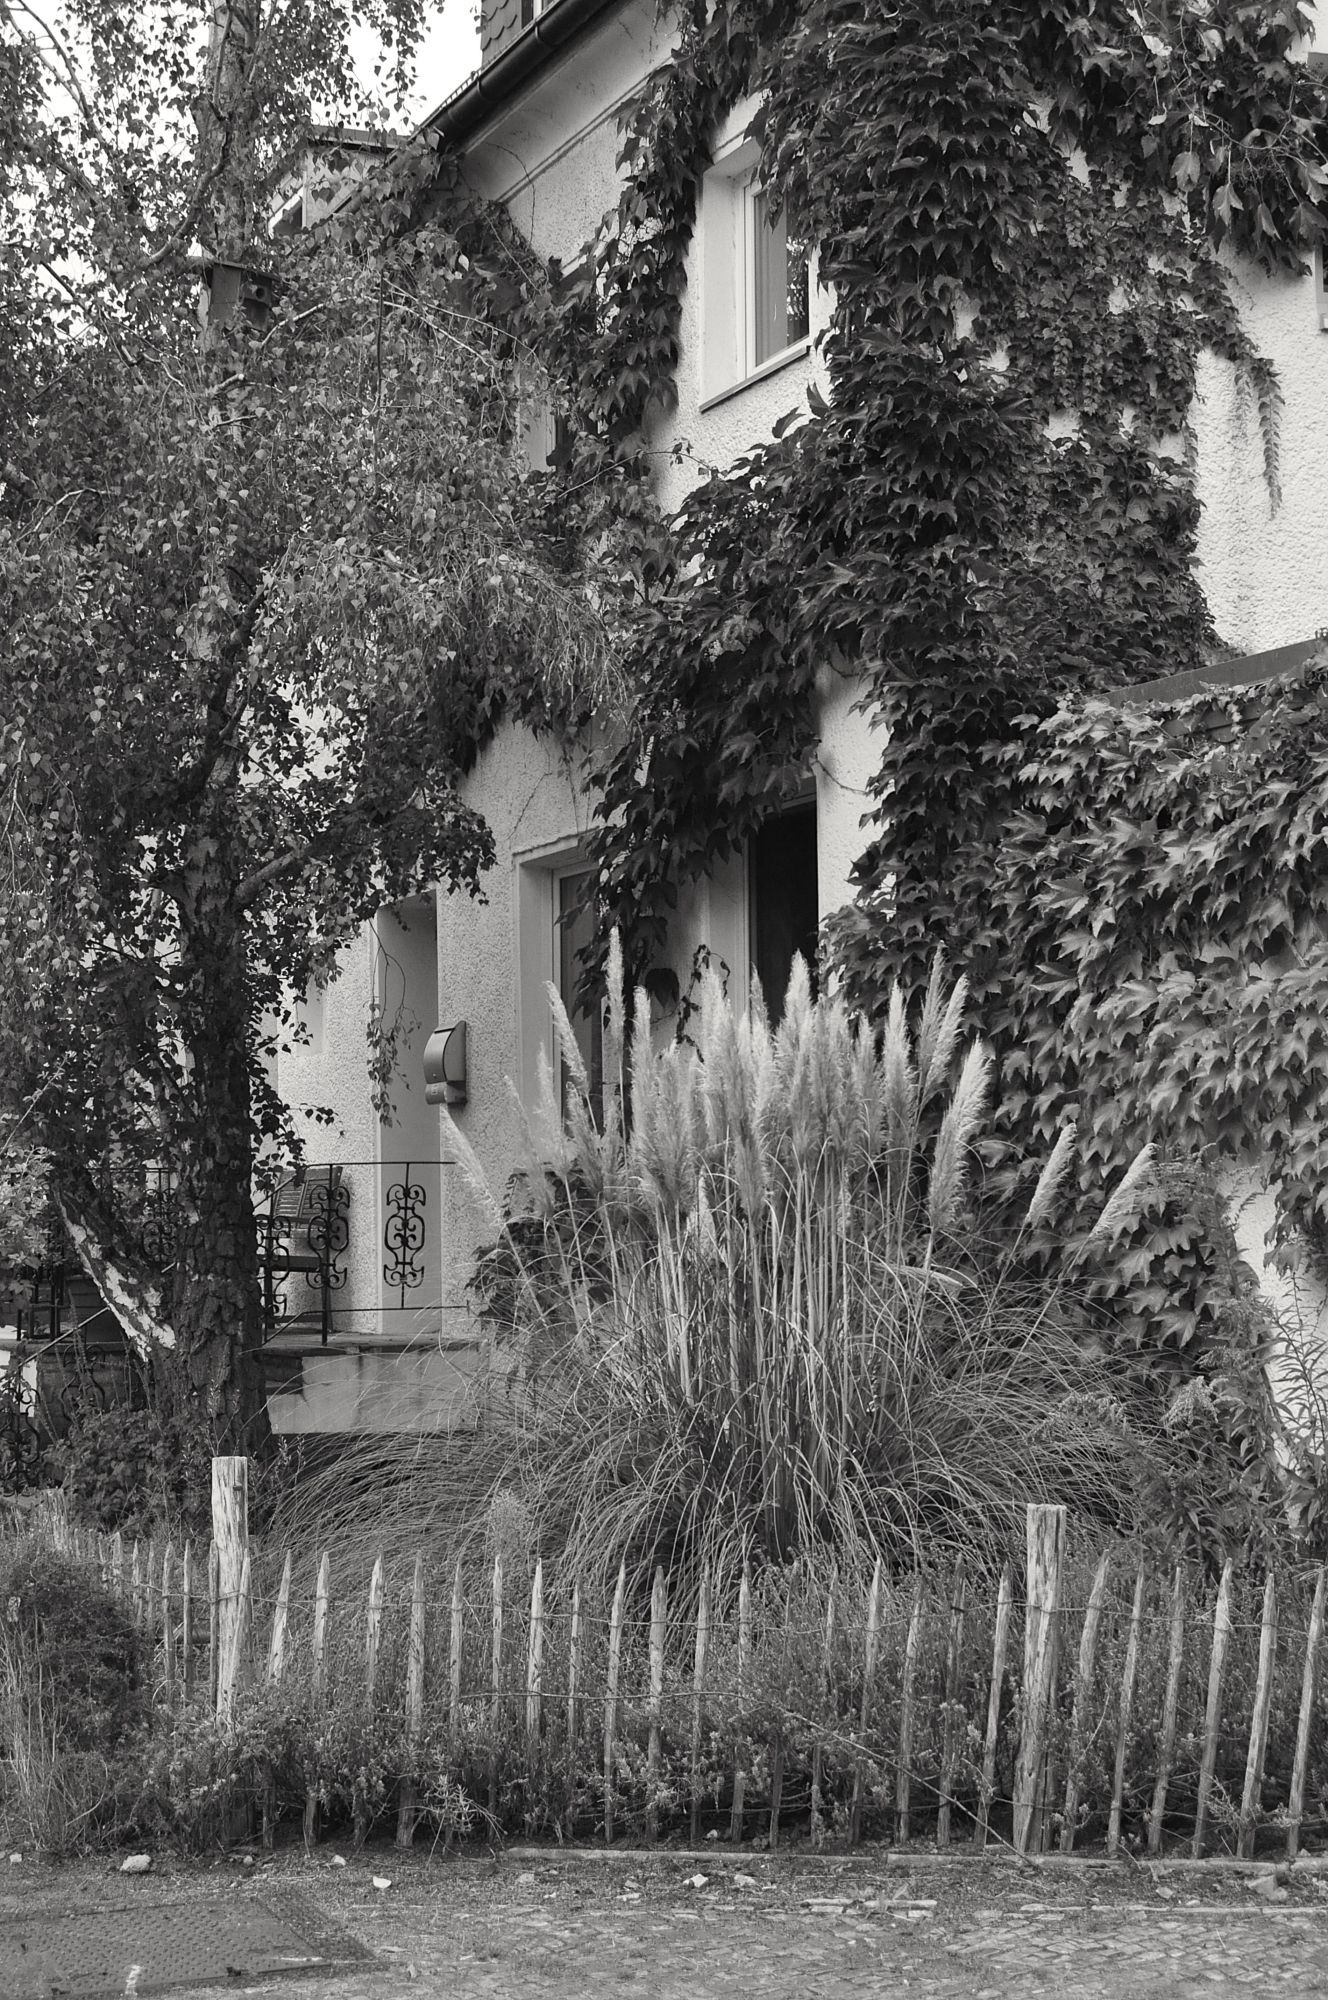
(1213, 1714)
(318, 1670)
(953, 1720)
(1296, 1805)
(214, 1624)
(373, 1633)
(495, 1684)
(659, 1608)
(698, 1700)
(1046, 1558)
(1263, 1701)
(535, 1660)
(999, 1646)
(744, 1651)
(276, 1650)
(455, 1651)
(864, 1713)
(904, 1772)
(168, 1624)
(611, 1695)
(406, 1809)
(573, 1691)
(1170, 1703)
(1083, 1688)
(827, 1668)
(1126, 1713)
(187, 1621)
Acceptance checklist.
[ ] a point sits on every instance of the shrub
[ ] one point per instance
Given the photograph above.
(279, 1744)
(137, 1470)
(72, 1696)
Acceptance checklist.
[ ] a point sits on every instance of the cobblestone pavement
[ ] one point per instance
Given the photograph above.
(781, 1928)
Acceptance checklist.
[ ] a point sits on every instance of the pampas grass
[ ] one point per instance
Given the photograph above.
(757, 1316)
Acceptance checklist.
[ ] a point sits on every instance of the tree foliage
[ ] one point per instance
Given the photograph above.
(264, 596)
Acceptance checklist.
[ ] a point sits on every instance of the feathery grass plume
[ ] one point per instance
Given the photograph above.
(938, 1030)
(1123, 1203)
(642, 1060)
(1052, 1178)
(963, 1115)
(550, 1149)
(615, 1033)
(461, 1150)
(568, 1046)
(899, 1082)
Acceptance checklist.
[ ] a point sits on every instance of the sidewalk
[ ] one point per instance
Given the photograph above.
(787, 1928)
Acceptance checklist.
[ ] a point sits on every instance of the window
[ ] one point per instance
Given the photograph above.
(784, 901)
(755, 292)
(574, 930)
(530, 11)
(776, 282)
(1321, 290)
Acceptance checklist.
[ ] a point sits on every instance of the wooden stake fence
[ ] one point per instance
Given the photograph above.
(901, 1677)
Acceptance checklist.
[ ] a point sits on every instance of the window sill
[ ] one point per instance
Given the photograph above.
(774, 366)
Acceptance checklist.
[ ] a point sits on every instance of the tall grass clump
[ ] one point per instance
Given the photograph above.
(750, 1307)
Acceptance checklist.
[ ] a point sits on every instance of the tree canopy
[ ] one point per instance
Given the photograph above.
(265, 591)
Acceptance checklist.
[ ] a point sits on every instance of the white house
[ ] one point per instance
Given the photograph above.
(537, 129)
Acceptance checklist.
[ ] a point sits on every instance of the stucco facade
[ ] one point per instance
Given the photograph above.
(549, 153)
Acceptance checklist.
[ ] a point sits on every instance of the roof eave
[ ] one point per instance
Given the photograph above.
(461, 115)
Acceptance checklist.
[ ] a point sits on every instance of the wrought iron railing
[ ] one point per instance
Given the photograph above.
(312, 1229)
(317, 1264)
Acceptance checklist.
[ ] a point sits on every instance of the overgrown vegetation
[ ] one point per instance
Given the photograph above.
(1024, 214)
(73, 1698)
(789, 1708)
(756, 1303)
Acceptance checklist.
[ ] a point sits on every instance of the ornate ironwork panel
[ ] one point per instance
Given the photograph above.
(329, 1232)
(403, 1235)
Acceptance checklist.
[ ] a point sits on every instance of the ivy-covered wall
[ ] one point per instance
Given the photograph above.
(1066, 439)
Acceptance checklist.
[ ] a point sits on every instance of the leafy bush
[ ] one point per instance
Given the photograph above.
(137, 1470)
(72, 1698)
(279, 1744)
(63, 1631)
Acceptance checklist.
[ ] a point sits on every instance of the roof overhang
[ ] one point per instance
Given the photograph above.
(534, 50)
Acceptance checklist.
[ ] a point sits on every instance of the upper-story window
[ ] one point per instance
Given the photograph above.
(776, 282)
(754, 278)
(530, 10)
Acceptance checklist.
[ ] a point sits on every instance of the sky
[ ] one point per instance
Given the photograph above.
(448, 55)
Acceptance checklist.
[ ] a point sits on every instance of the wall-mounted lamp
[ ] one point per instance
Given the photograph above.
(445, 1066)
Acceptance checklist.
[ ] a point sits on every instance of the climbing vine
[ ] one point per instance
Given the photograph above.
(1024, 215)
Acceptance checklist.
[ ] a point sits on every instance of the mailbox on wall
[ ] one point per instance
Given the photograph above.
(445, 1066)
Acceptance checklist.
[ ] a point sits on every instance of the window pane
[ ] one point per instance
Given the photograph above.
(779, 284)
(576, 929)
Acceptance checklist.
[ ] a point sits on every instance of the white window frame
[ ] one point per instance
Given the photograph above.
(539, 872)
(727, 230)
(1321, 288)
